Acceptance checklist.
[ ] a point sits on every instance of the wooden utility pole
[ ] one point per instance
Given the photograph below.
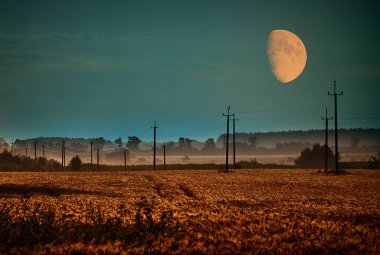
(234, 139)
(12, 152)
(63, 154)
(43, 151)
(26, 151)
(154, 145)
(35, 153)
(326, 120)
(227, 134)
(97, 158)
(164, 146)
(336, 126)
(125, 159)
(91, 153)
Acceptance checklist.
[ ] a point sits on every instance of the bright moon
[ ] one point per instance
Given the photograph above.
(287, 55)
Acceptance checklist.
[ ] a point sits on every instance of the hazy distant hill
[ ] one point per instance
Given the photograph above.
(355, 144)
(367, 137)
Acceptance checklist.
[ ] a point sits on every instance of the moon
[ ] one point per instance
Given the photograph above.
(287, 55)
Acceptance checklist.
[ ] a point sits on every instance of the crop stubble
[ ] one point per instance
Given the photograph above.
(197, 211)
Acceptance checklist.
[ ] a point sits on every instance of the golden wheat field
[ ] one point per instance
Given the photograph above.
(190, 212)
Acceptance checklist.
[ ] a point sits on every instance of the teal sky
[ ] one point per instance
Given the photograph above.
(110, 68)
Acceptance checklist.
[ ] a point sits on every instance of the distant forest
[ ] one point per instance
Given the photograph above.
(258, 143)
(367, 137)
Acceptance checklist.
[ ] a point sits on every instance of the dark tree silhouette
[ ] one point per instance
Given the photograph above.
(170, 146)
(75, 163)
(209, 145)
(184, 143)
(253, 141)
(119, 142)
(100, 141)
(314, 157)
(5, 157)
(133, 142)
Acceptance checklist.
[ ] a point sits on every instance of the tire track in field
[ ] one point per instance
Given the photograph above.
(187, 191)
(163, 187)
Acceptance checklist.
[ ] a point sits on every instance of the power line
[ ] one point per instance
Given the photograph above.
(360, 118)
(358, 113)
(359, 123)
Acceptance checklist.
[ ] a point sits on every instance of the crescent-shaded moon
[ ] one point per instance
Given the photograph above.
(287, 55)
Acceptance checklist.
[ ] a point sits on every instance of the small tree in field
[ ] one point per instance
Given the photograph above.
(75, 163)
(314, 157)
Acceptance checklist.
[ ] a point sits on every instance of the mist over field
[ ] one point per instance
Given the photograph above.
(271, 147)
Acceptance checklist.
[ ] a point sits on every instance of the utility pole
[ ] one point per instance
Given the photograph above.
(233, 138)
(43, 151)
(91, 153)
(336, 126)
(35, 153)
(63, 154)
(227, 134)
(164, 146)
(97, 158)
(12, 152)
(154, 145)
(12, 148)
(326, 120)
(26, 151)
(125, 159)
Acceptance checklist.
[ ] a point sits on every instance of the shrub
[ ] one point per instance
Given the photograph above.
(75, 163)
(314, 157)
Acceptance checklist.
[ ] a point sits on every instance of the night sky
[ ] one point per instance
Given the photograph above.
(110, 68)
